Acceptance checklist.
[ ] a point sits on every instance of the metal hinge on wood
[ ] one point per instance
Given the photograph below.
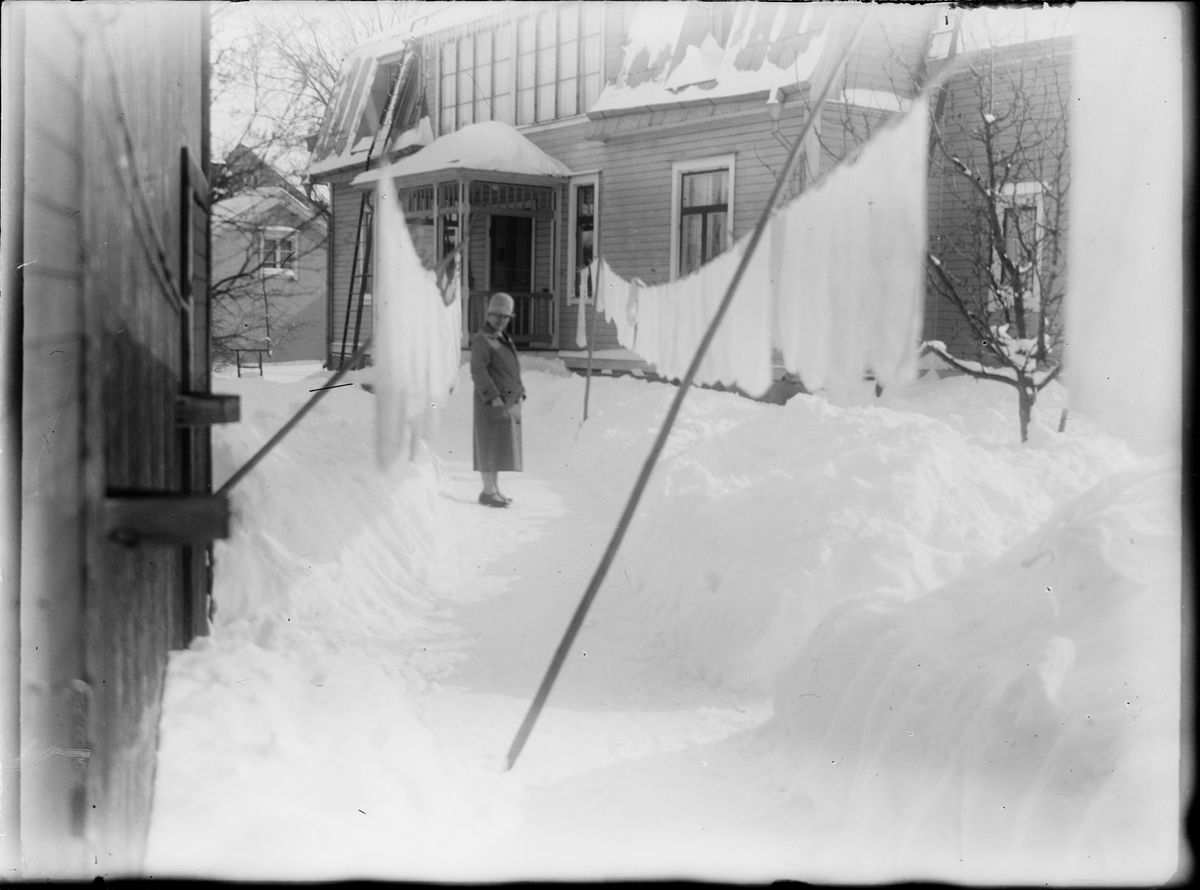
(206, 409)
(162, 518)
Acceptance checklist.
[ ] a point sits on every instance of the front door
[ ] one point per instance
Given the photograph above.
(515, 267)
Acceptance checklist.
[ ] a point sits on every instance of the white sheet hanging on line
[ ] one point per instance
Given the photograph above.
(415, 348)
(850, 281)
(583, 286)
(613, 298)
(837, 281)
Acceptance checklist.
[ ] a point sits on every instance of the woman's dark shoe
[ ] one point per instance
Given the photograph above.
(504, 498)
(492, 500)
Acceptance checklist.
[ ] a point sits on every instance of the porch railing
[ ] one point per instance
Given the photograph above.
(533, 317)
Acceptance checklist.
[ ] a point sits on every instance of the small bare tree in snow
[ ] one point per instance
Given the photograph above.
(999, 159)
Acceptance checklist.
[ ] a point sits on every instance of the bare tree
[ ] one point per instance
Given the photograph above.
(274, 69)
(999, 154)
(275, 66)
(253, 294)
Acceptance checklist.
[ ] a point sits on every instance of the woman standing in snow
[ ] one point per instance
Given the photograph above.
(496, 372)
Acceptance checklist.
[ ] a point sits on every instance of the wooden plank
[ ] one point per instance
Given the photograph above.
(206, 409)
(153, 517)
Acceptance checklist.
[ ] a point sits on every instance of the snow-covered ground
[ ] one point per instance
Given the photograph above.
(864, 641)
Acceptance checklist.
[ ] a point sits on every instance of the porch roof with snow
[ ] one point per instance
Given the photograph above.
(488, 150)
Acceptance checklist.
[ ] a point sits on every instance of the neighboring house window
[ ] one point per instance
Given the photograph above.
(559, 62)
(702, 217)
(583, 237)
(279, 252)
(1023, 229)
(475, 81)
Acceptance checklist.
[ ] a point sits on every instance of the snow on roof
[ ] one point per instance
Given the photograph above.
(491, 145)
(255, 201)
(673, 59)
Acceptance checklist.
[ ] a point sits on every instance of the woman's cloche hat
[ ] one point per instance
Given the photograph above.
(500, 304)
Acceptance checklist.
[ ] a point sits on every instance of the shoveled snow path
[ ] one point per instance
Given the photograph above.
(649, 764)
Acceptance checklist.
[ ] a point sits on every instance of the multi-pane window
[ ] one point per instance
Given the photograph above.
(278, 252)
(475, 82)
(703, 217)
(559, 62)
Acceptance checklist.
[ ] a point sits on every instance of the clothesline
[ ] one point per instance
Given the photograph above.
(836, 287)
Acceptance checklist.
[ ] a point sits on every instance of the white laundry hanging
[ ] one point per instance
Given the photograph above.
(415, 347)
(613, 298)
(836, 281)
(850, 258)
(581, 285)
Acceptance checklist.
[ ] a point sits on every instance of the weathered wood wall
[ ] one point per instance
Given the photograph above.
(114, 94)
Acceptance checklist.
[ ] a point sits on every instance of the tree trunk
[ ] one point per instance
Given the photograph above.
(1026, 395)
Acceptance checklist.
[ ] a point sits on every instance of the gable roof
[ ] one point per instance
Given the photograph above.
(254, 203)
(490, 146)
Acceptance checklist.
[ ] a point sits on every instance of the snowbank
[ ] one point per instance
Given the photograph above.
(330, 604)
(759, 518)
(952, 696)
(1020, 725)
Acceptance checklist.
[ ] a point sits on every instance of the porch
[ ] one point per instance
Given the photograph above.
(491, 195)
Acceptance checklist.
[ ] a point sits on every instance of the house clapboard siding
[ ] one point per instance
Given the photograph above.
(633, 147)
(1043, 72)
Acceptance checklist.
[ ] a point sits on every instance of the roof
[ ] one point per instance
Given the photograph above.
(437, 16)
(257, 201)
(985, 28)
(490, 146)
(675, 55)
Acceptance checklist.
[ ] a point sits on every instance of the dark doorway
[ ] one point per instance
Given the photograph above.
(512, 254)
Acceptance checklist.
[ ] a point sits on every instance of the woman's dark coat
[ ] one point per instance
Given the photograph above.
(496, 371)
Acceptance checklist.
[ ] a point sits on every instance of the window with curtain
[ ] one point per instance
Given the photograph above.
(703, 217)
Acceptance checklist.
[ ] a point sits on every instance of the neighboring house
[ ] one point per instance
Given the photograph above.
(106, 247)
(1003, 171)
(270, 282)
(649, 132)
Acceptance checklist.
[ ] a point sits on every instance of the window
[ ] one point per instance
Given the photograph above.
(701, 220)
(279, 252)
(1023, 229)
(376, 102)
(559, 62)
(583, 237)
(475, 79)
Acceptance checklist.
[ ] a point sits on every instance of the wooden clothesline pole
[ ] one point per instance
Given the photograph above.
(587, 387)
(639, 487)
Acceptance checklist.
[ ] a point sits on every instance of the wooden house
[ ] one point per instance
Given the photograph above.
(107, 565)
(649, 108)
(670, 119)
(270, 282)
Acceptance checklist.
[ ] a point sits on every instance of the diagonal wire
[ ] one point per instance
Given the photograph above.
(614, 544)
